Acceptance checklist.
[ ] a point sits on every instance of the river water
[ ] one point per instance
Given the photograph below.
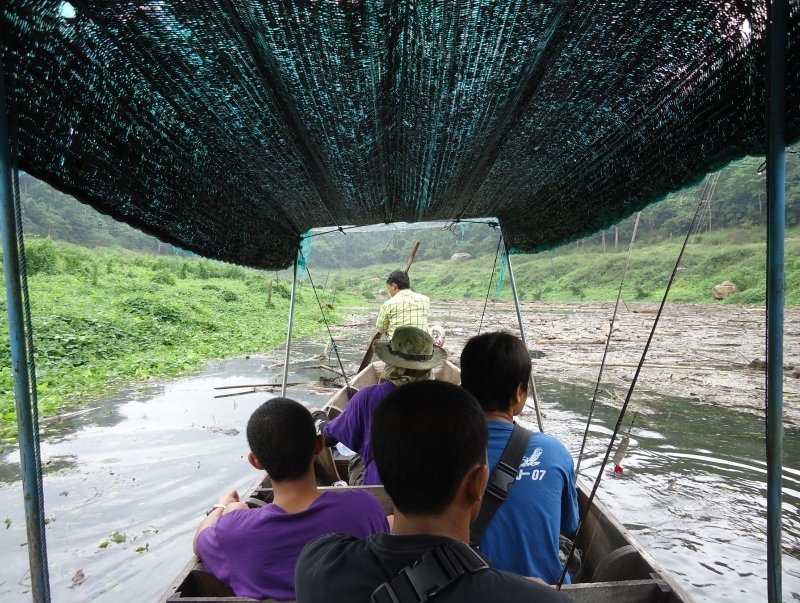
(126, 484)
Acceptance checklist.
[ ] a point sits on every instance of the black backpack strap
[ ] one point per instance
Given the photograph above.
(431, 574)
(501, 480)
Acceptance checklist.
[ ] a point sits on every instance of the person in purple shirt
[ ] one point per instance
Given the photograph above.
(254, 551)
(409, 356)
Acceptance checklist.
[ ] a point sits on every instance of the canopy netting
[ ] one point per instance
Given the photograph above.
(231, 127)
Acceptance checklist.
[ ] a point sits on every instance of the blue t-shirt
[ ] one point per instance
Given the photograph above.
(523, 535)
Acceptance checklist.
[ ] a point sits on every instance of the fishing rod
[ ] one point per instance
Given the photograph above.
(325, 320)
(630, 394)
(709, 186)
(489, 288)
(608, 343)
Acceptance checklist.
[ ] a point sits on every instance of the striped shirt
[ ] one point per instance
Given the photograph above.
(405, 308)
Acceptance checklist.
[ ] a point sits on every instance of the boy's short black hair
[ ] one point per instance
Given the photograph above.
(425, 437)
(399, 278)
(281, 435)
(493, 365)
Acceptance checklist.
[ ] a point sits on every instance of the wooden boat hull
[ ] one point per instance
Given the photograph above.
(616, 568)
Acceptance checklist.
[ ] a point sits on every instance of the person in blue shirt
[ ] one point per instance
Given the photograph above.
(523, 535)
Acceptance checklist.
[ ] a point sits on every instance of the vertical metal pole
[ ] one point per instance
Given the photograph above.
(28, 438)
(777, 39)
(291, 326)
(522, 334)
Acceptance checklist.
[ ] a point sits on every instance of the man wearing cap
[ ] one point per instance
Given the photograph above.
(409, 357)
(404, 307)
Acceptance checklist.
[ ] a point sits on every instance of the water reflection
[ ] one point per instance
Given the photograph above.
(693, 490)
(126, 485)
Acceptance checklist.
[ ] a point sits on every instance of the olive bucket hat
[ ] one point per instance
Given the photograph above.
(410, 348)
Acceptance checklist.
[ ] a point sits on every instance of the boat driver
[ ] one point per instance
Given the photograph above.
(404, 307)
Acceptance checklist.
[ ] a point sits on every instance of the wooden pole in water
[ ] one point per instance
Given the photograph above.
(27, 421)
(777, 40)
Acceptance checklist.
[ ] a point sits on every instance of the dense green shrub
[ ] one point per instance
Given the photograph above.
(164, 277)
(227, 295)
(40, 256)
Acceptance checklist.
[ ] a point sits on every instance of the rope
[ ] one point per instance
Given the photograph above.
(331, 231)
(630, 392)
(608, 343)
(489, 288)
(325, 320)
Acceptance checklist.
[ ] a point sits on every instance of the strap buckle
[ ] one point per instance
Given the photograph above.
(501, 480)
(432, 573)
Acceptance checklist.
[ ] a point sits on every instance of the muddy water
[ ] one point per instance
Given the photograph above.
(126, 485)
(692, 490)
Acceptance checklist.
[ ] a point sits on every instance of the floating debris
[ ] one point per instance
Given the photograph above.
(78, 579)
(215, 429)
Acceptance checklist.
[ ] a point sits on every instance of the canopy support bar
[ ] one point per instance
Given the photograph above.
(532, 381)
(777, 18)
(30, 458)
(291, 326)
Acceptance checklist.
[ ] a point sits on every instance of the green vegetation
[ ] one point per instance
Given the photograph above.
(586, 273)
(106, 317)
(736, 206)
(103, 318)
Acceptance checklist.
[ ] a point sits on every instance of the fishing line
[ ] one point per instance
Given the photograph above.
(327, 326)
(489, 289)
(630, 392)
(608, 342)
(331, 231)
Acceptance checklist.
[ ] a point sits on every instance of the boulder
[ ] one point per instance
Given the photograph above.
(460, 257)
(723, 290)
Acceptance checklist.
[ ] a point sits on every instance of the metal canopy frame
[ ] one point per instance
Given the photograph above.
(27, 422)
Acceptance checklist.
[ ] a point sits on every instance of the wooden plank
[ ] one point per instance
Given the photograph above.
(632, 591)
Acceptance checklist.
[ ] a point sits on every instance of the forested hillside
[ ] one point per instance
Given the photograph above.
(736, 202)
(735, 195)
(47, 213)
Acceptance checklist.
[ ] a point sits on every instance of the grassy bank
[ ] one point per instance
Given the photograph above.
(105, 318)
(590, 274)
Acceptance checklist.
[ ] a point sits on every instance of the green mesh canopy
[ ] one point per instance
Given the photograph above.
(230, 128)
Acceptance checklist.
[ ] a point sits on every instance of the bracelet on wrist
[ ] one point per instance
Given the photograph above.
(215, 507)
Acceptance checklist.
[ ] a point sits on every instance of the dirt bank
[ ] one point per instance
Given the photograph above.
(700, 352)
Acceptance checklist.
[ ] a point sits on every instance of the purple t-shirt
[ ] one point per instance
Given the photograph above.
(255, 550)
(352, 428)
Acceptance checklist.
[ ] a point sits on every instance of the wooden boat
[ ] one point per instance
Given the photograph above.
(615, 566)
